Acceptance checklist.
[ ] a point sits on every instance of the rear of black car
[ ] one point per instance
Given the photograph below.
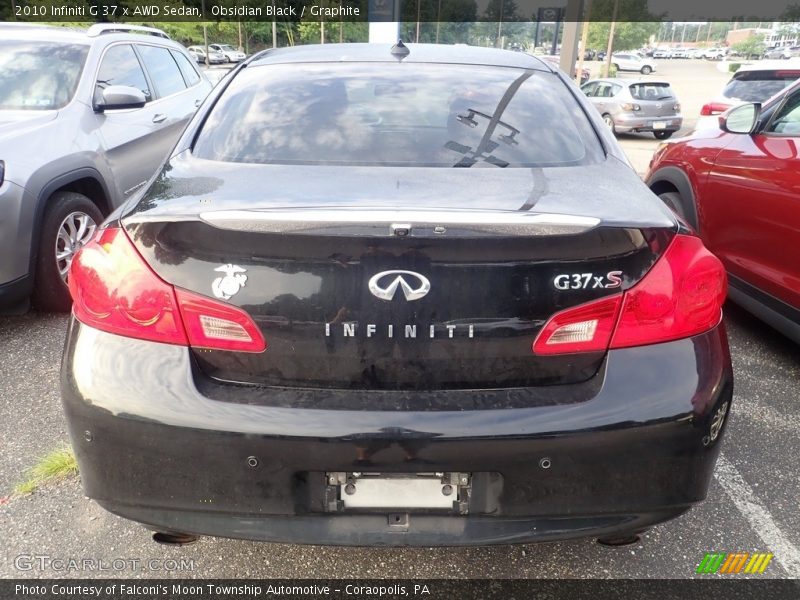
(417, 302)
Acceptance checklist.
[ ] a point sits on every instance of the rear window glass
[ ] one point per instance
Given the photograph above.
(651, 91)
(758, 86)
(399, 114)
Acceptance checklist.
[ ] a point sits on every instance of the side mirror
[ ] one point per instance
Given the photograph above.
(741, 119)
(116, 97)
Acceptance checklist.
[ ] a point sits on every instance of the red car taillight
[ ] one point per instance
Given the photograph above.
(584, 328)
(113, 289)
(714, 108)
(681, 296)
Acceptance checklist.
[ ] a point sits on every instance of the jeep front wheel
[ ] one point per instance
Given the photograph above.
(70, 221)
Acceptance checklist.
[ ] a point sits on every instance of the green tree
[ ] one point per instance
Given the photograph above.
(752, 46)
(627, 35)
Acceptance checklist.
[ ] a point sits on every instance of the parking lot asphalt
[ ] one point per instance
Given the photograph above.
(752, 503)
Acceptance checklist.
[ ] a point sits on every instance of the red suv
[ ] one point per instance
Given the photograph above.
(739, 187)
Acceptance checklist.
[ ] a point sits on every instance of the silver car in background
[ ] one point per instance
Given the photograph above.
(199, 54)
(636, 105)
(86, 119)
(231, 54)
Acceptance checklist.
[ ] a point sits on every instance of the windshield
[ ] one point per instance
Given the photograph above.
(39, 75)
(395, 114)
(651, 91)
(225, 47)
(758, 86)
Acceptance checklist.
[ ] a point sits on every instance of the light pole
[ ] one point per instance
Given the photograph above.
(610, 46)
(438, 19)
(205, 30)
(500, 26)
(419, 3)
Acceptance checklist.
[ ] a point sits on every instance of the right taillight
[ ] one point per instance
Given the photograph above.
(680, 296)
(714, 108)
(113, 289)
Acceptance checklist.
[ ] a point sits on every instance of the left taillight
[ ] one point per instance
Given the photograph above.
(113, 289)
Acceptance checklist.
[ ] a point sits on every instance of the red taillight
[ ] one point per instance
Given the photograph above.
(212, 324)
(114, 290)
(714, 108)
(584, 328)
(681, 296)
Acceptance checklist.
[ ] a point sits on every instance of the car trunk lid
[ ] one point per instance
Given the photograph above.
(367, 294)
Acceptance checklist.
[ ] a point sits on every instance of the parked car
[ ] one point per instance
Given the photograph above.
(715, 53)
(87, 117)
(199, 54)
(662, 53)
(629, 106)
(782, 52)
(633, 62)
(738, 189)
(589, 54)
(373, 213)
(679, 53)
(757, 82)
(231, 54)
(601, 55)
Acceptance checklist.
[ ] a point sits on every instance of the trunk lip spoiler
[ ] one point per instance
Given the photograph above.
(388, 221)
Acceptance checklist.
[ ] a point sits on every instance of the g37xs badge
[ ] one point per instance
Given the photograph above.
(587, 281)
(229, 285)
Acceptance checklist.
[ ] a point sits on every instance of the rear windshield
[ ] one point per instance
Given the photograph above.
(39, 75)
(651, 91)
(395, 114)
(758, 86)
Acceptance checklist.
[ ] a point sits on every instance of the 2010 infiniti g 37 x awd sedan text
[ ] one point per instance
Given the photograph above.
(403, 296)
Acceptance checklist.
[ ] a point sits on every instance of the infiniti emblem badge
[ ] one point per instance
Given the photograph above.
(384, 285)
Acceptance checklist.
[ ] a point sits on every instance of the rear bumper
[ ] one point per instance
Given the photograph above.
(625, 123)
(152, 448)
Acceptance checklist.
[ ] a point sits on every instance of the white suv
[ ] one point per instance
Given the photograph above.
(632, 62)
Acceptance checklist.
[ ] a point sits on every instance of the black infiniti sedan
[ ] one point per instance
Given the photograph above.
(399, 296)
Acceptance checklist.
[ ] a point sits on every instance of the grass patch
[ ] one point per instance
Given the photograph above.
(58, 464)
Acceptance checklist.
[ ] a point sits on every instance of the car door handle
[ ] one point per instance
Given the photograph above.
(198, 102)
(159, 118)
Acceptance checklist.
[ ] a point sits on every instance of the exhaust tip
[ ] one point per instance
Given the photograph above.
(174, 539)
(616, 542)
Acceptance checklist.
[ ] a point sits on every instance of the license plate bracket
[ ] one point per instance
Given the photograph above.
(382, 492)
